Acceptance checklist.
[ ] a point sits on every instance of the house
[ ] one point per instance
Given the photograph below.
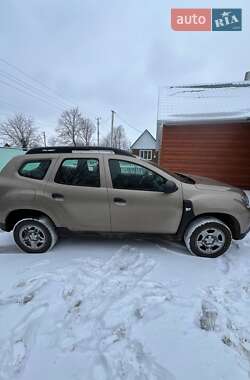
(6, 154)
(145, 147)
(205, 130)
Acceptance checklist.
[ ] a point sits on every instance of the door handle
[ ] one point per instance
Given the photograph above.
(120, 201)
(57, 196)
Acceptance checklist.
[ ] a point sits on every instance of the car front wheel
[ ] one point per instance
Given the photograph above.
(35, 235)
(208, 237)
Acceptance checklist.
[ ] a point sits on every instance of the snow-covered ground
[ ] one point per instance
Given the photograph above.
(104, 309)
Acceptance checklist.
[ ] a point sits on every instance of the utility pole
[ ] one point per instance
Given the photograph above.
(112, 128)
(98, 130)
(44, 139)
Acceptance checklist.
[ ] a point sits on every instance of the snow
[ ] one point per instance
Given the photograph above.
(214, 102)
(124, 308)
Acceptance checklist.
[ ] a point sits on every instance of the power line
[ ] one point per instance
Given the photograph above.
(29, 90)
(38, 122)
(30, 94)
(35, 80)
(38, 93)
(29, 87)
(128, 124)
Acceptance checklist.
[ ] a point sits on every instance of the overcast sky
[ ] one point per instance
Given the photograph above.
(109, 54)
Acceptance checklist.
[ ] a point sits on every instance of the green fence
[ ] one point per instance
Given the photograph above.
(6, 154)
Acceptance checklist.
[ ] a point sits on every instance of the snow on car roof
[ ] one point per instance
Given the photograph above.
(204, 102)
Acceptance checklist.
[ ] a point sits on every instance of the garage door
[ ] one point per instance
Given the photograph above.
(218, 151)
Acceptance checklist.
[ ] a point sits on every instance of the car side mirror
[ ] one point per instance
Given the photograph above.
(169, 187)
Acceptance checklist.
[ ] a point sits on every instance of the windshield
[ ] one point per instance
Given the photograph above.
(181, 177)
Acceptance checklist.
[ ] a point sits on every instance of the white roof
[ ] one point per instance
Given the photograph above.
(144, 141)
(207, 102)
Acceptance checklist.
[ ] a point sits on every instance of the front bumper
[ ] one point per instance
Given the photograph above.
(244, 234)
(2, 226)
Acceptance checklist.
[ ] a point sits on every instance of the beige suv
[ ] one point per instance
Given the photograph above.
(109, 190)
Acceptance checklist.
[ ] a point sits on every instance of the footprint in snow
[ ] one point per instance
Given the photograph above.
(15, 350)
(94, 305)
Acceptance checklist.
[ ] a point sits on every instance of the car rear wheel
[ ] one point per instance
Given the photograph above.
(35, 235)
(208, 237)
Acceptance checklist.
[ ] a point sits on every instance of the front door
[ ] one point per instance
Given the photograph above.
(78, 194)
(137, 203)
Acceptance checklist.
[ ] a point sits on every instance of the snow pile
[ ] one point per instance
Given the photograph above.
(104, 310)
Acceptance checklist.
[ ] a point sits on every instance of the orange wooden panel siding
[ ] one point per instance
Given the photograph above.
(218, 151)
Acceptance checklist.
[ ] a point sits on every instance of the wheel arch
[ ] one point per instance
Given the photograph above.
(228, 219)
(16, 215)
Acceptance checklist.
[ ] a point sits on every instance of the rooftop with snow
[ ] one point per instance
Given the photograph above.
(204, 102)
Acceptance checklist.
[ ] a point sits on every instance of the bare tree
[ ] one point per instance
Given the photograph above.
(53, 141)
(86, 132)
(105, 141)
(68, 126)
(120, 139)
(19, 131)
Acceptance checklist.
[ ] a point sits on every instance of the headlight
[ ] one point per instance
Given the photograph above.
(245, 200)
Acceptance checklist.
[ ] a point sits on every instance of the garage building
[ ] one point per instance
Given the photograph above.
(205, 130)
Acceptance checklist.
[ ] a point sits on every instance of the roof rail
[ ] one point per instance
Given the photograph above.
(73, 149)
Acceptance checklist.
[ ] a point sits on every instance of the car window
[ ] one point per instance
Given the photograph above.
(79, 172)
(130, 176)
(34, 169)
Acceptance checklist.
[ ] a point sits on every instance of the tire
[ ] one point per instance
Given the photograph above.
(35, 235)
(208, 237)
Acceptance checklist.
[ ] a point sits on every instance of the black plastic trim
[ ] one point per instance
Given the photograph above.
(243, 235)
(3, 226)
(187, 216)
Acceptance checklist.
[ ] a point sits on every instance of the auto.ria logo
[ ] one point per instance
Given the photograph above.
(227, 20)
(206, 19)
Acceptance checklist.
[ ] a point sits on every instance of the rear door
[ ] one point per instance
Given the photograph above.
(137, 203)
(77, 192)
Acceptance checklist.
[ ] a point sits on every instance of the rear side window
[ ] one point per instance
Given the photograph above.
(79, 172)
(34, 169)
